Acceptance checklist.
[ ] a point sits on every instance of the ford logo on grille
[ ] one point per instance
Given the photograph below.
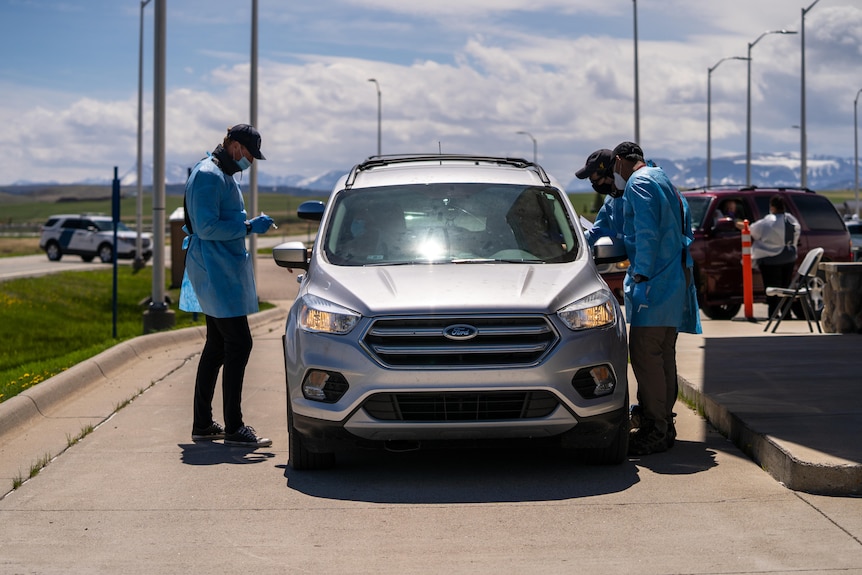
(460, 332)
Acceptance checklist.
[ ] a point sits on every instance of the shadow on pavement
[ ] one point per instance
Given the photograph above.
(461, 476)
(792, 388)
(214, 453)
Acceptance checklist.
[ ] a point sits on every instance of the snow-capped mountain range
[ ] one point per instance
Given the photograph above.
(824, 173)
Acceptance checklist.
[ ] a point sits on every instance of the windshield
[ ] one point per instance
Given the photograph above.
(438, 223)
(108, 226)
(697, 205)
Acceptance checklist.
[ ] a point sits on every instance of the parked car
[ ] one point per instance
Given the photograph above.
(91, 235)
(854, 226)
(451, 298)
(717, 247)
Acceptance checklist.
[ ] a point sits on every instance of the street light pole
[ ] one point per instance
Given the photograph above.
(379, 116)
(139, 261)
(252, 181)
(856, 148)
(637, 82)
(803, 146)
(535, 146)
(159, 316)
(748, 115)
(709, 116)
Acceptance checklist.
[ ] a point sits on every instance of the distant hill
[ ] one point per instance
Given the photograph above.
(824, 173)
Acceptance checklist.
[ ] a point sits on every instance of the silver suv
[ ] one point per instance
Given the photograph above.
(451, 298)
(91, 235)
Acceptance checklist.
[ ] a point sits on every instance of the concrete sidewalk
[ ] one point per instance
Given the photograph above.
(789, 400)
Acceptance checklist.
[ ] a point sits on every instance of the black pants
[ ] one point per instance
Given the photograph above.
(775, 276)
(653, 356)
(228, 346)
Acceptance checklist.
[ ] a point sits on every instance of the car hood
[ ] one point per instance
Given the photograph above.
(455, 288)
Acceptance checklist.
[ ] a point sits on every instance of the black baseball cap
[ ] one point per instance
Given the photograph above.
(629, 151)
(248, 137)
(599, 161)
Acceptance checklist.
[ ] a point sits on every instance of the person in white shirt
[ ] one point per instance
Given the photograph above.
(774, 241)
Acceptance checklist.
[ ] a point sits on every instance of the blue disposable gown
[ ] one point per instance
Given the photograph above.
(657, 232)
(218, 278)
(608, 222)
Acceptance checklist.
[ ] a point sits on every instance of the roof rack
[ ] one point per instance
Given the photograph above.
(748, 188)
(386, 160)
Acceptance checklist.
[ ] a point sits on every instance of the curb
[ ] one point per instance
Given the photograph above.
(40, 399)
(840, 479)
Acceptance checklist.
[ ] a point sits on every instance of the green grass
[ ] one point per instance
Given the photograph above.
(53, 322)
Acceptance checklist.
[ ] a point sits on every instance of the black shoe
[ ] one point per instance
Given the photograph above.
(671, 434)
(246, 437)
(647, 440)
(214, 431)
(636, 414)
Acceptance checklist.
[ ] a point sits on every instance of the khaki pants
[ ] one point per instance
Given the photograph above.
(653, 355)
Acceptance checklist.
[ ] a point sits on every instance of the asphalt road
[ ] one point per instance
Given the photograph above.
(137, 496)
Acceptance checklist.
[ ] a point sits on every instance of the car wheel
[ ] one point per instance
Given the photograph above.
(299, 457)
(106, 253)
(815, 288)
(614, 454)
(53, 251)
(88, 258)
(725, 311)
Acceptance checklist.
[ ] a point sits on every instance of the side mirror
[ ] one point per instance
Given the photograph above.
(609, 250)
(293, 255)
(311, 210)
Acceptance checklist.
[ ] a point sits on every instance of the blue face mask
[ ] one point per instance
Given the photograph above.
(243, 163)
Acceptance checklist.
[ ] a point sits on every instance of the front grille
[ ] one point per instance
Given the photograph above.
(460, 406)
(505, 341)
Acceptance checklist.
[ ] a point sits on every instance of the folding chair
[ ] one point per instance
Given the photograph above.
(799, 289)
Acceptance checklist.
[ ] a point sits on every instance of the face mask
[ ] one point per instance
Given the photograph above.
(604, 188)
(243, 163)
(619, 181)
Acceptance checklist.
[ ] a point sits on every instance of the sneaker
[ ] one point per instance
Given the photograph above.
(246, 437)
(214, 431)
(647, 440)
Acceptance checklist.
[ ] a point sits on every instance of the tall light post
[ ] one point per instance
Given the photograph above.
(803, 136)
(159, 316)
(709, 116)
(637, 82)
(139, 261)
(535, 146)
(748, 116)
(252, 181)
(856, 147)
(379, 116)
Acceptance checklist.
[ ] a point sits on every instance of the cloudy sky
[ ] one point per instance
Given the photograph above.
(464, 76)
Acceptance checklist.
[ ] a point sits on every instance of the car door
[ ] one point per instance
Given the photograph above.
(725, 247)
(822, 227)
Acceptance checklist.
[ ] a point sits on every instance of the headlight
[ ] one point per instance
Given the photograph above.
(322, 316)
(595, 310)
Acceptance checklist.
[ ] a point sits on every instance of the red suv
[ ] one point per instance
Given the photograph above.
(717, 247)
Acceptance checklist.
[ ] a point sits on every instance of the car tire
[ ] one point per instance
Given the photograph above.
(614, 454)
(106, 253)
(299, 457)
(724, 311)
(53, 251)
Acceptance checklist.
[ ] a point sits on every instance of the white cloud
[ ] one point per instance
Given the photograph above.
(465, 86)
